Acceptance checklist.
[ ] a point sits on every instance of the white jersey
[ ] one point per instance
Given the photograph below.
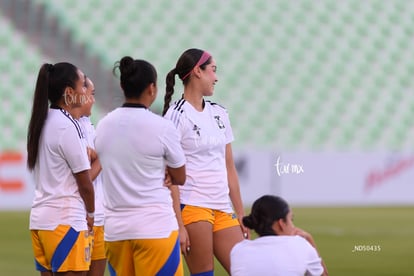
(89, 131)
(204, 136)
(275, 256)
(61, 154)
(134, 146)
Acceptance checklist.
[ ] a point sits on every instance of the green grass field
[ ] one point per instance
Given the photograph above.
(336, 231)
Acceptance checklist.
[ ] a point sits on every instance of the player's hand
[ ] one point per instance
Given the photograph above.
(91, 154)
(307, 236)
(90, 222)
(184, 241)
(245, 230)
(167, 179)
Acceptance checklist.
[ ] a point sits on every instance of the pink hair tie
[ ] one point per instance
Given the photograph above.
(204, 57)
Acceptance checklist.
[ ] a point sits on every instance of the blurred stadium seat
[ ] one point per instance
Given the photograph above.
(19, 61)
(294, 75)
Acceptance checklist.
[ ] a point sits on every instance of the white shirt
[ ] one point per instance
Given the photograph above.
(134, 146)
(89, 131)
(204, 136)
(276, 256)
(62, 153)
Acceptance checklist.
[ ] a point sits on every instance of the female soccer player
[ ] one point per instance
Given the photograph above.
(212, 182)
(98, 258)
(62, 213)
(281, 249)
(135, 147)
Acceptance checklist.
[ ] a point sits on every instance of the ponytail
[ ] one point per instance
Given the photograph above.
(136, 76)
(169, 89)
(52, 80)
(39, 114)
(265, 211)
(186, 62)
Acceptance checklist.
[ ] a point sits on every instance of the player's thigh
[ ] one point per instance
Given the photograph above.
(200, 258)
(223, 241)
(97, 268)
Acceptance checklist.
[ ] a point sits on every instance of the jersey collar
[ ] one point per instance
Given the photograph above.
(136, 105)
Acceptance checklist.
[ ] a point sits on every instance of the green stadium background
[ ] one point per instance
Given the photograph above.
(304, 75)
(306, 78)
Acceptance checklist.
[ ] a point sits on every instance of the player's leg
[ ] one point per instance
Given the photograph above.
(97, 268)
(198, 222)
(226, 233)
(200, 257)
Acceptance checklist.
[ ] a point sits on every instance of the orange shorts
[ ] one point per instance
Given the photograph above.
(145, 256)
(60, 250)
(220, 220)
(98, 244)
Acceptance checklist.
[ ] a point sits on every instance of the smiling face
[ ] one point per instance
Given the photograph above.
(89, 98)
(73, 95)
(209, 78)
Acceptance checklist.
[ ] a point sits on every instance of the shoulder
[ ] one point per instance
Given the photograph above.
(176, 111)
(177, 107)
(216, 106)
(217, 109)
(111, 115)
(300, 242)
(157, 119)
(66, 121)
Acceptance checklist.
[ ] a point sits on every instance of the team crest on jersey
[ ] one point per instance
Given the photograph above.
(219, 122)
(196, 129)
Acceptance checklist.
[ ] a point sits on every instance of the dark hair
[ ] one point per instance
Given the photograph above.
(52, 80)
(184, 65)
(136, 75)
(265, 211)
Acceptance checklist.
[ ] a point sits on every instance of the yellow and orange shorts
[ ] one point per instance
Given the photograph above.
(62, 249)
(220, 220)
(145, 256)
(98, 244)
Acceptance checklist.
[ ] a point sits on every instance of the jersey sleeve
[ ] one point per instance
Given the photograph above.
(173, 116)
(176, 117)
(174, 154)
(228, 130)
(73, 150)
(313, 261)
